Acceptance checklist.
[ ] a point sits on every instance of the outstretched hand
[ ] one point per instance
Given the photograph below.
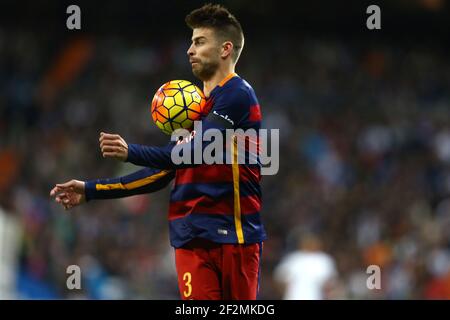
(69, 194)
(113, 146)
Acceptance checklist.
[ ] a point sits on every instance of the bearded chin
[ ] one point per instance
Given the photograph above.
(206, 71)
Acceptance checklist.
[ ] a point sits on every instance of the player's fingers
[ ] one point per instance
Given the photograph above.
(111, 155)
(107, 143)
(109, 136)
(62, 201)
(118, 149)
(60, 197)
(110, 143)
(117, 143)
(66, 185)
(101, 136)
(54, 191)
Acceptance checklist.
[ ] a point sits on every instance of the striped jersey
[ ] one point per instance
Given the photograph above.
(221, 201)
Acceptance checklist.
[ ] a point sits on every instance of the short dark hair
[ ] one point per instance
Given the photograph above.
(218, 18)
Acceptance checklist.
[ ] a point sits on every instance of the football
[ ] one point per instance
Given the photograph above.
(177, 104)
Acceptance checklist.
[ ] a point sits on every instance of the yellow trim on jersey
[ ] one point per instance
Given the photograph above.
(237, 199)
(228, 77)
(132, 185)
(111, 186)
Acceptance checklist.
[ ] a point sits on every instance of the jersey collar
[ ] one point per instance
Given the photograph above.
(223, 82)
(227, 78)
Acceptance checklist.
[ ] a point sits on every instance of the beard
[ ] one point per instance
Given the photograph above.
(205, 70)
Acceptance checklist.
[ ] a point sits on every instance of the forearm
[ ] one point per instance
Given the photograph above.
(161, 157)
(147, 180)
(172, 156)
(149, 156)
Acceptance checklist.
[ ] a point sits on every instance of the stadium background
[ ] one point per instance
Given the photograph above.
(364, 153)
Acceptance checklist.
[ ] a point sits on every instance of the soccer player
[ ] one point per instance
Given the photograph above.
(214, 219)
(307, 273)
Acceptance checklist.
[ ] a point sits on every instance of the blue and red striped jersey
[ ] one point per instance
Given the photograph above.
(220, 201)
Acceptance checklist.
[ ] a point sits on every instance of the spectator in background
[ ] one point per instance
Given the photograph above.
(10, 237)
(308, 273)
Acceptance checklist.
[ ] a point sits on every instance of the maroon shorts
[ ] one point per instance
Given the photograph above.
(215, 271)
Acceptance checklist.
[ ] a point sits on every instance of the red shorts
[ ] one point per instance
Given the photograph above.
(215, 271)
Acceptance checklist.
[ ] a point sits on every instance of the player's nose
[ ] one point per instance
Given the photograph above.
(190, 51)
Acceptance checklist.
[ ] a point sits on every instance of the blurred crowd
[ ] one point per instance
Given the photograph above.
(364, 162)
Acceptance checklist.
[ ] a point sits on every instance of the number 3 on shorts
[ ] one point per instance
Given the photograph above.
(187, 277)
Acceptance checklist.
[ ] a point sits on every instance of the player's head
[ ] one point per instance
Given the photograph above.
(309, 242)
(217, 38)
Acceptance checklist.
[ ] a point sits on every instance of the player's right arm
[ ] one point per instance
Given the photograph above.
(233, 105)
(76, 192)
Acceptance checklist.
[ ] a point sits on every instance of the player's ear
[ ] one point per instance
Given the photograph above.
(227, 49)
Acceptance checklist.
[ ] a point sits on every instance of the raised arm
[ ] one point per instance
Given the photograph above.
(76, 192)
(234, 108)
(147, 180)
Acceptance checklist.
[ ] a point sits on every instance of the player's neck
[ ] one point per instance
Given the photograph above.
(221, 74)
